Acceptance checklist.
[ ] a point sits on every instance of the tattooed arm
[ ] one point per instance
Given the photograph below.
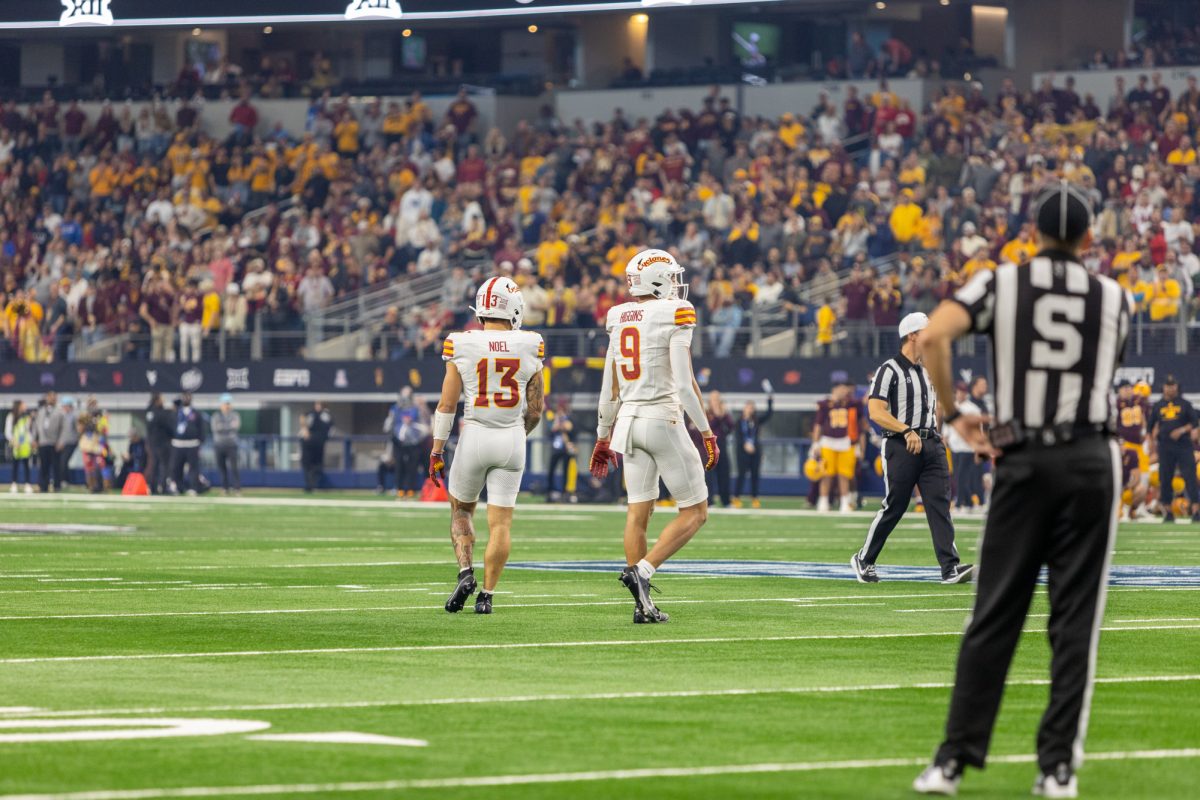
(535, 402)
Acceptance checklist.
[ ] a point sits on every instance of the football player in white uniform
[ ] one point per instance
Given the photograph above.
(648, 385)
(499, 370)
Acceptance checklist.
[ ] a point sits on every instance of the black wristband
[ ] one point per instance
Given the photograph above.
(907, 431)
(953, 415)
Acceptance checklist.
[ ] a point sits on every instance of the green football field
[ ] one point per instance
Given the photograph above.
(147, 658)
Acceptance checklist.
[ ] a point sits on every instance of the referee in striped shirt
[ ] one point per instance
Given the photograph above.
(904, 404)
(1057, 334)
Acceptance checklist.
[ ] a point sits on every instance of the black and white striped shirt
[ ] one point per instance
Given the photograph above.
(1058, 333)
(906, 388)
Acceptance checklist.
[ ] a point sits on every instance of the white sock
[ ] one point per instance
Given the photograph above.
(645, 569)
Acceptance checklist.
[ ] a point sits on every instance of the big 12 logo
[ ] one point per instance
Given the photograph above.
(373, 9)
(86, 12)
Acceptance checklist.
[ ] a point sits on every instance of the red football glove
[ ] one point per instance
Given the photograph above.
(712, 453)
(437, 469)
(603, 459)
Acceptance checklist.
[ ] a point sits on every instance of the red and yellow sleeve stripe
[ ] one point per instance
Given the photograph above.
(685, 316)
(448, 349)
(541, 350)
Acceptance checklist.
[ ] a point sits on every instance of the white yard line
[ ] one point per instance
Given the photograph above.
(565, 698)
(529, 645)
(563, 777)
(268, 611)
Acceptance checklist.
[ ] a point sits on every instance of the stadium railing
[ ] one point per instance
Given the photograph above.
(352, 462)
(770, 332)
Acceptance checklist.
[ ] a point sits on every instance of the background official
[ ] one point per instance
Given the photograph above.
(903, 403)
(1172, 420)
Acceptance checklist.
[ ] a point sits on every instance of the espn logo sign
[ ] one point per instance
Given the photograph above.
(86, 12)
(373, 9)
(291, 378)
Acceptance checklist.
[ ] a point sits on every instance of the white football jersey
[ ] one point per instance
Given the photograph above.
(639, 340)
(495, 367)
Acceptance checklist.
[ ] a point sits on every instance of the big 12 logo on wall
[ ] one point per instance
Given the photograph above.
(373, 9)
(86, 12)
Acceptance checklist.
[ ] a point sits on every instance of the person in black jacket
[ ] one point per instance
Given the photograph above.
(749, 453)
(186, 439)
(721, 423)
(314, 431)
(160, 426)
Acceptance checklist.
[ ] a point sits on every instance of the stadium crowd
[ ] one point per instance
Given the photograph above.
(139, 222)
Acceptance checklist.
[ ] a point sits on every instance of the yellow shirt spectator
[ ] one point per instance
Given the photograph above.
(530, 165)
(395, 124)
(211, 313)
(826, 321)
(346, 134)
(179, 154)
(618, 258)
(929, 230)
(551, 255)
(904, 221)
(911, 176)
(262, 173)
(1125, 259)
(1164, 297)
(1018, 252)
(103, 179)
(790, 131)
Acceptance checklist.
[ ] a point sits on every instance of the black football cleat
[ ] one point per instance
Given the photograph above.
(640, 588)
(463, 591)
(483, 603)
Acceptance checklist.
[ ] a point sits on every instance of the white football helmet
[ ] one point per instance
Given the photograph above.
(655, 273)
(500, 298)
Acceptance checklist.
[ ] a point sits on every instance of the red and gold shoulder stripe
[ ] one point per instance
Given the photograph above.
(448, 349)
(685, 316)
(541, 350)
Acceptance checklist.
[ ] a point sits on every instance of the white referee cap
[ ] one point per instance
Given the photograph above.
(912, 323)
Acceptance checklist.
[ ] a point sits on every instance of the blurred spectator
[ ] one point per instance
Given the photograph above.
(226, 424)
(315, 427)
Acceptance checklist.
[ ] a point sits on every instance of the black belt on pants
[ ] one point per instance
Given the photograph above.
(924, 433)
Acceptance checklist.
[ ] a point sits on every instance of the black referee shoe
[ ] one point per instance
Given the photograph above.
(962, 573)
(865, 573)
(464, 589)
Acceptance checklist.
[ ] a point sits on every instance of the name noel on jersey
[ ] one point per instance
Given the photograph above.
(498, 347)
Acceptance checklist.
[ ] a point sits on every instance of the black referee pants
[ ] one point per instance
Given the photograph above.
(902, 472)
(1052, 506)
(1173, 455)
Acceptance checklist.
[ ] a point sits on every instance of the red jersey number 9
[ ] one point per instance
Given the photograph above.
(631, 348)
(507, 368)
